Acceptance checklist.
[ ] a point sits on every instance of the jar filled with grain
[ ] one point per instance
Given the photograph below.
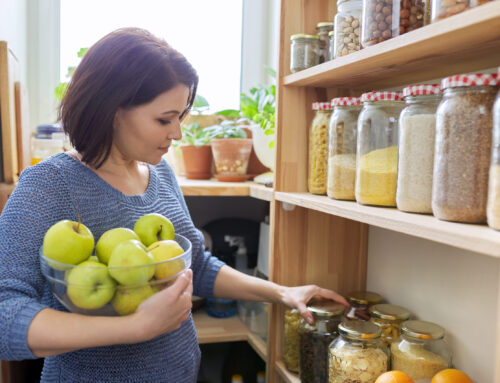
(360, 303)
(323, 29)
(389, 318)
(358, 354)
(318, 148)
(348, 27)
(315, 339)
(377, 148)
(304, 52)
(420, 351)
(442, 9)
(464, 125)
(342, 148)
(417, 131)
(291, 347)
(493, 211)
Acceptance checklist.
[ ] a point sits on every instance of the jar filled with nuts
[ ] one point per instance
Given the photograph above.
(318, 148)
(304, 52)
(323, 29)
(315, 339)
(389, 318)
(342, 148)
(291, 338)
(360, 302)
(442, 9)
(464, 123)
(493, 211)
(348, 27)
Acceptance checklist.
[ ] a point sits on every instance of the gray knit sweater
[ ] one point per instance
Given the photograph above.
(58, 188)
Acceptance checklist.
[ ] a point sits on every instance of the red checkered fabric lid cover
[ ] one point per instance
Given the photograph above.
(322, 106)
(422, 90)
(346, 101)
(382, 96)
(477, 79)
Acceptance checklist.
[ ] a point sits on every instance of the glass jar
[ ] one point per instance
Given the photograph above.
(331, 52)
(464, 123)
(389, 318)
(377, 148)
(360, 302)
(318, 148)
(42, 148)
(291, 338)
(420, 351)
(493, 211)
(442, 9)
(358, 354)
(348, 27)
(417, 131)
(477, 3)
(315, 339)
(323, 29)
(304, 52)
(342, 148)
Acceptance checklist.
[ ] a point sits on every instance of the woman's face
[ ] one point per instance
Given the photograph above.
(144, 133)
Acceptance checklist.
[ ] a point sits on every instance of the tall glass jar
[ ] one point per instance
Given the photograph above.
(291, 338)
(421, 351)
(493, 212)
(342, 148)
(463, 148)
(323, 29)
(417, 131)
(358, 354)
(348, 27)
(389, 318)
(442, 9)
(304, 52)
(377, 148)
(318, 148)
(360, 302)
(315, 339)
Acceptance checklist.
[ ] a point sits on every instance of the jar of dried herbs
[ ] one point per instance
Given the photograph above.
(291, 347)
(360, 303)
(318, 148)
(304, 51)
(315, 339)
(323, 29)
(464, 124)
(493, 211)
(389, 318)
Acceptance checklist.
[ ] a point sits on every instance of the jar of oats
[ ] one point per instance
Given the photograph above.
(493, 211)
(318, 148)
(304, 51)
(464, 125)
(291, 347)
(389, 318)
(348, 27)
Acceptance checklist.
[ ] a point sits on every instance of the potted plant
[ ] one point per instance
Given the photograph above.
(196, 152)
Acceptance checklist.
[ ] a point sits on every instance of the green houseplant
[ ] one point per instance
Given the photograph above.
(196, 151)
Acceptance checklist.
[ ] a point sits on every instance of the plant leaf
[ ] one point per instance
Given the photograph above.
(81, 52)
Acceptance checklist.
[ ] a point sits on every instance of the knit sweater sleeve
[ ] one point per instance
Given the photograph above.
(39, 200)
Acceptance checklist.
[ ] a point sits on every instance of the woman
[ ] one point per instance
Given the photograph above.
(121, 111)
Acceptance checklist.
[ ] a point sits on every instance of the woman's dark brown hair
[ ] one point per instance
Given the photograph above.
(126, 68)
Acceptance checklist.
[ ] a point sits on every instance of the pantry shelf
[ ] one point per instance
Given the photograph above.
(462, 43)
(286, 375)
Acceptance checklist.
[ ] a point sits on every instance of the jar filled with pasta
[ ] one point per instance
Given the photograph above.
(389, 318)
(291, 347)
(318, 148)
(493, 211)
(360, 303)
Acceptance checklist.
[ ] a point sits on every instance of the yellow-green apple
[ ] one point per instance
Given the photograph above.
(127, 299)
(108, 241)
(131, 263)
(154, 227)
(89, 285)
(93, 258)
(163, 251)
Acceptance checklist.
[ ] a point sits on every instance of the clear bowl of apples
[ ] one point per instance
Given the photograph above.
(124, 268)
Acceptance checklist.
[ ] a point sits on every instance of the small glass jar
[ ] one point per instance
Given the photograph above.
(377, 148)
(464, 123)
(420, 351)
(304, 52)
(318, 148)
(348, 27)
(291, 348)
(360, 302)
(323, 29)
(342, 148)
(417, 131)
(315, 339)
(42, 148)
(442, 9)
(331, 52)
(358, 354)
(389, 318)
(493, 211)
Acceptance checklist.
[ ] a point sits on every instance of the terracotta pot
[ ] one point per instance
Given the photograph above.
(197, 161)
(255, 167)
(231, 157)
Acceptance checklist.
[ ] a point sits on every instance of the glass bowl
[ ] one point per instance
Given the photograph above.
(91, 290)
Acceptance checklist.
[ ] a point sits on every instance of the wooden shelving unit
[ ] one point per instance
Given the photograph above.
(287, 376)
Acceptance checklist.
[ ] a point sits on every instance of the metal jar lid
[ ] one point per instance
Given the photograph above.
(324, 24)
(325, 308)
(390, 312)
(360, 330)
(419, 329)
(304, 36)
(364, 298)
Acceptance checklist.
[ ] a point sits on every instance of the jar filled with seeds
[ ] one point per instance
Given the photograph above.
(304, 52)
(360, 302)
(318, 148)
(464, 125)
(389, 318)
(331, 36)
(358, 354)
(348, 27)
(442, 9)
(493, 211)
(315, 339)
(291, 346)
(420, 351)
(342, 148)
(417, 124)
(323, 29)
(377, 148)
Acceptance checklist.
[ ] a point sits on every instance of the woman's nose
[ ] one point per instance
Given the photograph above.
(176, 133)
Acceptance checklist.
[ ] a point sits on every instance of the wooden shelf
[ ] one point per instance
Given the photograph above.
(229, 189)
(258, 345)
(478, 238)
(286, 375)
(462, 43)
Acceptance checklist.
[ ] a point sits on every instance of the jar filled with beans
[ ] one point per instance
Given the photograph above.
(291, 347)
(442, 9)
(348, 27)
(318, 148)
(360, 302)
(323, 29)
(389, 318)
(304, 52)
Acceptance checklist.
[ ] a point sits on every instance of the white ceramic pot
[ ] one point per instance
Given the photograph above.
(261, 142)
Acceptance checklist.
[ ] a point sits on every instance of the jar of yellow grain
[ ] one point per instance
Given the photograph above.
(377, 148)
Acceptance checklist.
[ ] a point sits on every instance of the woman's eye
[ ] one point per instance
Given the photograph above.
(164, 122)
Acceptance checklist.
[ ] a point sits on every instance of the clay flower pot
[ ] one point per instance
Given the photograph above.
(231, 157)
(197, 161)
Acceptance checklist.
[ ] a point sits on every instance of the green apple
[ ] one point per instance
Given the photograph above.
(131, 263)
(127, 299)
(89, 285)
(154, 227)
(93, 258)
(163, 251)
(68, 242)
(110, 239)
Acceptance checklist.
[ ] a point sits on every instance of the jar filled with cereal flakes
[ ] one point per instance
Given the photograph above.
(420, 351)
(493, 211)
(318, 148)
(342, 148)
(323, 29)
(304, 52)
(377, 148)
(417, 131)
(358, 354)
(464, 124)
(360, 303)
(389, 318)
(348, 27)
(442, 9)
(291, 340)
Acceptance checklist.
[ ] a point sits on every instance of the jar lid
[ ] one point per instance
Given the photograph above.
(359, 330)
(346, 101)
(476, 79)
(324, 24)
(322, 106)
(420, 329)
(303, 36)
(391, 312)
(382, 96)
(364, 297)
(331, 33)
(422, 90)
(325, 308)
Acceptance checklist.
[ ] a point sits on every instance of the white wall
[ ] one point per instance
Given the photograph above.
(13, 29)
